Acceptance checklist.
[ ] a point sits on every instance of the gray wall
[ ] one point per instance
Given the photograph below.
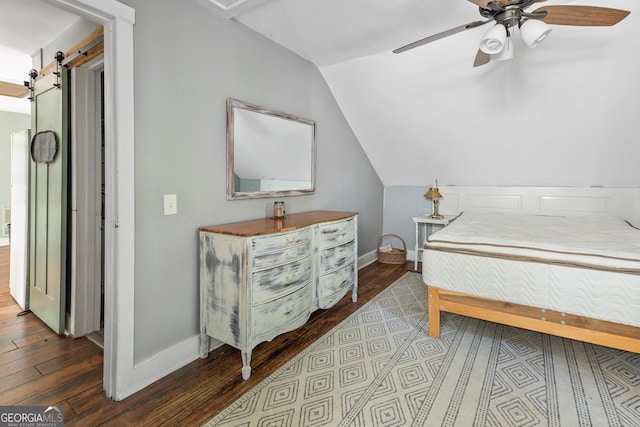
(9, 123)
(183, 74)
(401, 204)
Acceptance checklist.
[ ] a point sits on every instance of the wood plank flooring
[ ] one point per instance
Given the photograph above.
(38, 367)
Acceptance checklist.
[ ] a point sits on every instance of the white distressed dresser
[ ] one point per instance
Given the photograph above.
(264, 277)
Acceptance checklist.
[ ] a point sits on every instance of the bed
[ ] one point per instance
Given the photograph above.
(571, 272)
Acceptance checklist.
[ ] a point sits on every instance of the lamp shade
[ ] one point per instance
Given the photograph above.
(533, 31)
(493, 40)
(433, 193)
(506, 53)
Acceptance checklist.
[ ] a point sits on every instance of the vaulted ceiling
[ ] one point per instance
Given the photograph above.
(333, 31)
(559, 114)
(428, 113)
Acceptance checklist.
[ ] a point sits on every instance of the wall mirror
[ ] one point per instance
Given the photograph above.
(269, 153)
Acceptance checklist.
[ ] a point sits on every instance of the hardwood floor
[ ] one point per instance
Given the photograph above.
(38, 367)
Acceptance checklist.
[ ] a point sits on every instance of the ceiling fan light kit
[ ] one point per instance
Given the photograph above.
(506, 53)
(494, 39)
(534, 26)
(533, 32)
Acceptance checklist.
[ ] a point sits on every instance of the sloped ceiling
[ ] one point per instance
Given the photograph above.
(563, 113)
(560, 114)
(333, 31)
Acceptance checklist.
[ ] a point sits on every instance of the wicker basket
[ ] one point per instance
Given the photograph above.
(395, 255)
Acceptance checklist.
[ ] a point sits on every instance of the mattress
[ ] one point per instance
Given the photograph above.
(584, 266)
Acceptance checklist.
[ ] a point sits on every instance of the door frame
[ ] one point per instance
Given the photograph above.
(118, 20)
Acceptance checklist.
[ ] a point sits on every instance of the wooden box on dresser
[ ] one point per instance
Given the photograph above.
(263, 277)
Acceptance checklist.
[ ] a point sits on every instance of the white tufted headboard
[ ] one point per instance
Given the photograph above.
(621, 202)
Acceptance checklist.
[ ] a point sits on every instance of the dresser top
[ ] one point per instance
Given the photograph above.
(256, 227)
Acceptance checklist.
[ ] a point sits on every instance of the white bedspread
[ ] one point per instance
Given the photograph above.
(591, 242)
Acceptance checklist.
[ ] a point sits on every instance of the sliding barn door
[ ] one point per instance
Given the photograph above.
(48, 203)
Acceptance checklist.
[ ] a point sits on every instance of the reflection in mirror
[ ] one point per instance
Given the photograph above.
(269, 153)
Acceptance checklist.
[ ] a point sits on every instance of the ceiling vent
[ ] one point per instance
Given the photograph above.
(233, 8)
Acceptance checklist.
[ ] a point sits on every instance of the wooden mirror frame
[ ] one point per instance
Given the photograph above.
(281, 152)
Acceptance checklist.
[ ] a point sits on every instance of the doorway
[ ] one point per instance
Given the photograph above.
(120, 376)
(66, 204)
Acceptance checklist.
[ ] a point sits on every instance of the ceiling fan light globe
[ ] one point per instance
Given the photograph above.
(493, 41)
(533, 32)
(506, 53)
(493, 45)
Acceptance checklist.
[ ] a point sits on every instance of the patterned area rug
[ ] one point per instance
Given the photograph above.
(379, 368)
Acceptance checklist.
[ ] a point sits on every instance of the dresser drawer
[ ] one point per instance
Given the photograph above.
(280, 240)
(282, 315)
(334, 258)
(271, 283)
(333, 286)
(283, 255)
(337, 232)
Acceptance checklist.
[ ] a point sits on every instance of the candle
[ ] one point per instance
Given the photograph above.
(278, 209)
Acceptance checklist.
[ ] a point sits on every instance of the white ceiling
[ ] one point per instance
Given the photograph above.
(324, 32)
(25, 26)
(559, 114)
(428, 113)
(332, 31)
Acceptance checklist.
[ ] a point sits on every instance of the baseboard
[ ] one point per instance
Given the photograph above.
(368, 258)
(162, 364)
(173, 358)
(371, 257)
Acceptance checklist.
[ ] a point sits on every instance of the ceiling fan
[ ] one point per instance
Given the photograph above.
(534, 26)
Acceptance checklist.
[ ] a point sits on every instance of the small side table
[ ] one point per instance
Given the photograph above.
(430, 224)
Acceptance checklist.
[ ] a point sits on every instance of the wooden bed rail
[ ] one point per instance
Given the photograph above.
(547, 321)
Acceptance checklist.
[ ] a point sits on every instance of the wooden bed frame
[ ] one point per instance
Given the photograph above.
(620, 202)
(552, 322)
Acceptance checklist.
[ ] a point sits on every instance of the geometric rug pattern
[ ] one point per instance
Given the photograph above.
(379, 367)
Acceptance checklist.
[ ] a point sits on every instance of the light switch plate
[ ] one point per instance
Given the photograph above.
(170, 204)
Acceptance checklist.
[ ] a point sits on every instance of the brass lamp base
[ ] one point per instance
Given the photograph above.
(435, 214)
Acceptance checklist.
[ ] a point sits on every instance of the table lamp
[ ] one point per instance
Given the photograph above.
(435, 195)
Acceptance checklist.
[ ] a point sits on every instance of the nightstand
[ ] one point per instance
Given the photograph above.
(430, 225)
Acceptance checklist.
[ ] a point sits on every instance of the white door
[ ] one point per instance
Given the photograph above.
(85, 311)
(19, 216)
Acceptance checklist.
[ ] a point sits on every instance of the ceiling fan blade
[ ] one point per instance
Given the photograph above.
(481, 58)
(441, 35)
(582, 15)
